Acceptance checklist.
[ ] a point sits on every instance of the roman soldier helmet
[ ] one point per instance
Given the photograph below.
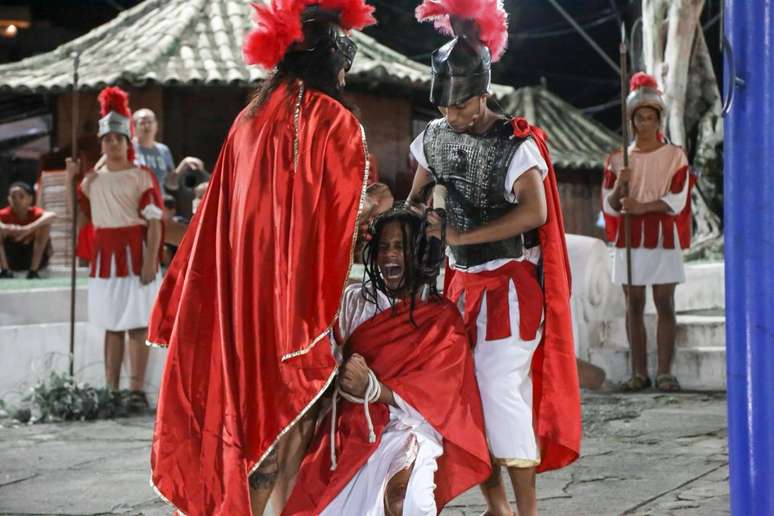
(288, 26)
(115, 115)
(644, 92)
(462, 68)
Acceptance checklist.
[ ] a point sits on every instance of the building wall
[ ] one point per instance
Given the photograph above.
(198, 120)
(580, 193)
(387, 122)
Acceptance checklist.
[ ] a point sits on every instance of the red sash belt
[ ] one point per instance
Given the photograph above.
(495, 283)
(113, 242)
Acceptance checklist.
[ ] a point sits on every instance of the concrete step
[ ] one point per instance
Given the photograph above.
(700, 350)
(704, 288)
(31, 351)
(699, 368)
(41, 305)
(693, 330)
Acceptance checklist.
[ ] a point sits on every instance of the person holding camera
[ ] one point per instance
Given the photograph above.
(157, 156)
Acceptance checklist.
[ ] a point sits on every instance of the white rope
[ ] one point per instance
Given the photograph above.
(372, 393)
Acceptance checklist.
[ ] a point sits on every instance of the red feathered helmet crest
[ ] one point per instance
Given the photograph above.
(279, 26)
(489, 16)
(462, 68)
(115, 115)
(644, 92)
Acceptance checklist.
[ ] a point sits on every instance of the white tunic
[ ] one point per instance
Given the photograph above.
(656, 266)
(408, 438)
(119, 303)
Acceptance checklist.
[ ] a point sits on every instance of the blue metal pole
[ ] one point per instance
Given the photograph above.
(749, 256)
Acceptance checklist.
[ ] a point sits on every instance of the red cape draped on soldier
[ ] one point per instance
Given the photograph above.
(431, 368)
(556, 391)
(248, 302)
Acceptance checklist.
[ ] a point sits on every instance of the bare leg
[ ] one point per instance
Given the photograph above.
(523, 481)
(395, 492)
(291, 449)
(664, 299)
(114, 355)
(635, 326)
(262, 482)
(494, 493)
(138, 358)
(3, 259)
(42, 237)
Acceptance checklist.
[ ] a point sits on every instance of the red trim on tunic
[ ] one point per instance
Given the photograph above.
(495, 285)
(647, 228)
(110, 243)
(609, 178)
(678, 180)
(85, 248)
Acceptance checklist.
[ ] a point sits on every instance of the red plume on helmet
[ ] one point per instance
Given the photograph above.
(115, 99)
(278, 26)
(353, 14)
(489, 16)
(643, 80)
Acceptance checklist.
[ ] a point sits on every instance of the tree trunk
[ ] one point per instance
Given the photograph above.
(675, 53)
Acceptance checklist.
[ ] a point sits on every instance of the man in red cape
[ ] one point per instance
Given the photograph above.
(506, 241)
(428, 443)
(247, 305)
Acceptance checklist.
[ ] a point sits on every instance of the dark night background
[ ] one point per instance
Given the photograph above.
(542, 46)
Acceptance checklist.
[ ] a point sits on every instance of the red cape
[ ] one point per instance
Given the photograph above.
(431, 367)
(556, 391)
(255, 284)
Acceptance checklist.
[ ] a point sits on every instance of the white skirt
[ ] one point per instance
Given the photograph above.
(504, 374)
(650, 266)
(120, 304)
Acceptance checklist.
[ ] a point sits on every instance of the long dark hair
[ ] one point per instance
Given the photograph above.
(316, 62)
(414, 281)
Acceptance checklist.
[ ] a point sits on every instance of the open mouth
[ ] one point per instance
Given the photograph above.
(392, 271)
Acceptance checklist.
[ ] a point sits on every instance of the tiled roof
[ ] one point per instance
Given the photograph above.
(198, 42)
(576, 141)
(184, 42)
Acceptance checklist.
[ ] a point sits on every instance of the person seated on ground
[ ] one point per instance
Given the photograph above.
(405, 452)
(157, 156)
(25, 233)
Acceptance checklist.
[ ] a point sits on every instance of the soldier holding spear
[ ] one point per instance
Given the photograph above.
(647, 183)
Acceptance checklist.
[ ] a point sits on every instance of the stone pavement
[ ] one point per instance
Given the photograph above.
(643, 454)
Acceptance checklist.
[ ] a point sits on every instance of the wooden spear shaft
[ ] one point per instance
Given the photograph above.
(74, 204)
(625, 140)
